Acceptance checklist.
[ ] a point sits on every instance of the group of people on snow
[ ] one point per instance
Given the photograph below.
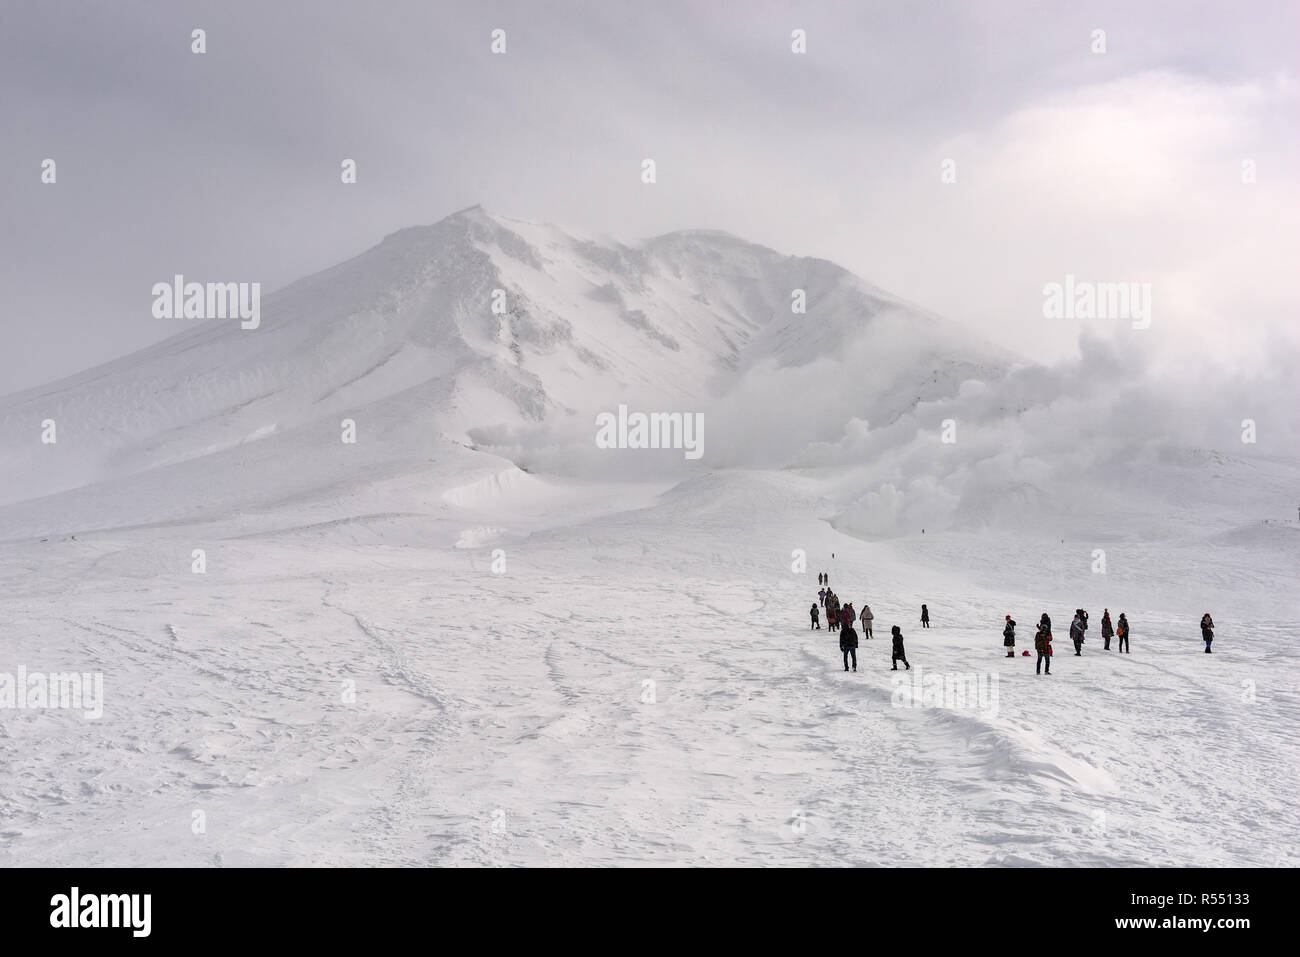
(1078, 628)
(837, 615)
(841, 618)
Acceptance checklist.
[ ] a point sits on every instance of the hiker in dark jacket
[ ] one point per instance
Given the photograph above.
(1207, 630)
(1076, 635)
(899, 654)
(816, 622)
(1045, 623)
(1122, 632)
(925, 617)
(847, 615)
(866, 618)
(1107, 632)
(849, 646)
(1009, 637)
(1043, 645)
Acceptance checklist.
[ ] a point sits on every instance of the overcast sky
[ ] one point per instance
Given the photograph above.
(1117, 166)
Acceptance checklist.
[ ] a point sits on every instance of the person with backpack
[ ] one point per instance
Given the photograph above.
(847, 615)
(1107, 632)
(1009, 637)
(899, 654)
(816, 621)
(832, 611)
(1043, 645)
(849, 645)
(1045, 623)
(1122, 632)
(1207, 631)
(925, 617)
(1076, 634)
(866, 618)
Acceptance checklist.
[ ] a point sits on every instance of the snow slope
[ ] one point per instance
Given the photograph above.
(471, 638)
(505, 719)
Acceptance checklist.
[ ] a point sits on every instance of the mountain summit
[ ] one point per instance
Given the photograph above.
(474, 324)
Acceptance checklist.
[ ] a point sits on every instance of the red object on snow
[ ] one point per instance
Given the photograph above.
(1024, 654)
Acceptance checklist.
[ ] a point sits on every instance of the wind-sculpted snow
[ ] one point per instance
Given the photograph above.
(637, 686)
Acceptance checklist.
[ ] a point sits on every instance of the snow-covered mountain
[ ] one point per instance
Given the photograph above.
(478, 346)
(473, 330)
(471, 637)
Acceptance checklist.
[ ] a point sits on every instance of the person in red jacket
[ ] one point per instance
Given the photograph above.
(1121, 631)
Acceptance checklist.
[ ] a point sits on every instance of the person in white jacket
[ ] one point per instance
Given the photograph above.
(865, 617)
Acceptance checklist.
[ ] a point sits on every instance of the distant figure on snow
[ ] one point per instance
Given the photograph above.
(1043, 645)
(849, 645)
(1076, 634)
(821, 596)
(1122, 632)
(925, 617)
(865, 618)
(847, 615)
(1009, 637)
(899, 654)
(1107, 631)
(816, 620)
(1207, 631)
